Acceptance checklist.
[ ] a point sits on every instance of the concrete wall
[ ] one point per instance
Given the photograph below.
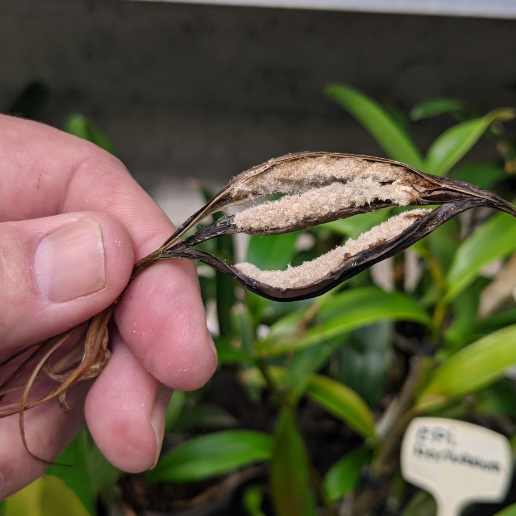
(482, 8)
(190, 90)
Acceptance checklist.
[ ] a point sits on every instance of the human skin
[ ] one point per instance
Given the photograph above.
(72, 225)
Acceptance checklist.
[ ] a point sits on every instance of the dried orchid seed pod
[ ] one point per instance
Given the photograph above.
(298, 191)
(284, 194)
(349, 184)
(302, 190)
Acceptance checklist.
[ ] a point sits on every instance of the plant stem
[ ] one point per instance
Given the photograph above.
(438, 319)
(264, 370)
(387, 458)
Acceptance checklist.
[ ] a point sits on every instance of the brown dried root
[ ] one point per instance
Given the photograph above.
(68, 371)
(284, 194)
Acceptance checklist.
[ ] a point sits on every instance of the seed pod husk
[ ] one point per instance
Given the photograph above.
(302, 190)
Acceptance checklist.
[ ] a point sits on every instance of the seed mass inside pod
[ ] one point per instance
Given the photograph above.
(313, 271)
(322, 203)
(293, 173)
(320, 188)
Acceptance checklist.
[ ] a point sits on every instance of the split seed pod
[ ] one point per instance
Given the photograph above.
(302, 190)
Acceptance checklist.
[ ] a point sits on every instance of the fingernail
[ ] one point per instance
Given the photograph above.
(70, 263)
(157, 421)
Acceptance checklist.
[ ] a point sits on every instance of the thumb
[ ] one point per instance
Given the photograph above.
(56, 272)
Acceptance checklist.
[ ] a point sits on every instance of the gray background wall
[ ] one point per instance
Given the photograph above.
(205, 91)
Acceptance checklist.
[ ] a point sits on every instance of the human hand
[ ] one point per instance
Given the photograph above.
(72, 224)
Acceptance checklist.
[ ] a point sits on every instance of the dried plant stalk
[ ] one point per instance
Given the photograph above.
(284, 194)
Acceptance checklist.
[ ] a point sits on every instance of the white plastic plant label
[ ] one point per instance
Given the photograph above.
(457, 462)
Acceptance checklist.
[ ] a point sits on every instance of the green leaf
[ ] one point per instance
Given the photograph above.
(497, 399)
(492, 240)
(47, 496)
(396, 143)
(87, 472)
(244, 327)
(494, 322)
(304, 363)
(343, 403)
(508, 511)
(397, 115)
(288, 324)
(421, 504)
(78, 476)
(266, 311)
(272, 251)
(205, 416)
(211, 455)
(253, 500)
(365, 362)
(466, 326)
(80, 126)
(345, 312)
(443, 243)
(465, 315)
(435, 107)
(339, 400)
(471, 368)
(290, 470)
(343, 476)
(354, 226)
(175, 407)
(456, 141)
(229, 353)
(481, 174)
(224, 286)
